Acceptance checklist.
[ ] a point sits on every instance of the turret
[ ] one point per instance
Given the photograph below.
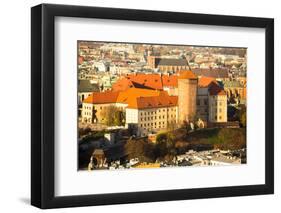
(187, 95)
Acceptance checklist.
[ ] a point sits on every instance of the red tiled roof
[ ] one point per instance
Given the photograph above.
(205, 81)
(122, 84)
(155, 102)
(187, 74)
(102, 97)
(170, 80)
(129, 96)
(151, 81)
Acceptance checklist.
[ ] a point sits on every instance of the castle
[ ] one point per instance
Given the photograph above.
(154, 102)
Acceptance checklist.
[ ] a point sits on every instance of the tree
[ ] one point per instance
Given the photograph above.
(243, 116)
(186, 126)
(119, 118)
(165, 145)
(140, 149)
(243, 119)
(112, 116)
(171, 125)
(106, 115)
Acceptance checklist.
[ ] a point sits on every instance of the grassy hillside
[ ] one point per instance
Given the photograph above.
(225, 138)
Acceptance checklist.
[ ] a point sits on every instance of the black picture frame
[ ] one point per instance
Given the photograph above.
(43, 102)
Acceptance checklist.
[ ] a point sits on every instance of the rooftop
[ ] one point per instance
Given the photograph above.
(151, 81)
(170, 62)
(205, 81)
(155, 102)
(214, 73)
(215, 89)
(102, 97)
(135, 98)
(186, 74)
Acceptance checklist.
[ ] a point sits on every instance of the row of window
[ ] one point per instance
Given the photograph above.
(151, 124)
(159, 110)
(87, 107)
(87, 113)
(155, 117)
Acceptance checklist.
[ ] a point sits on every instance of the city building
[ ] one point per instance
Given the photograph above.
(153, 102)
(167, 64)
(220, 74)
(203, 97)
(217, 104)
(152, 114)
(235, 89)
(85, 88)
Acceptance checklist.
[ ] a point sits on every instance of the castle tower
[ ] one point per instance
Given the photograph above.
(187, 95)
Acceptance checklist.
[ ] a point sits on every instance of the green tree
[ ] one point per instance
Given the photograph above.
(140, 149)
(118, 118)
(243, 119)
(112, 116)
(165, 145)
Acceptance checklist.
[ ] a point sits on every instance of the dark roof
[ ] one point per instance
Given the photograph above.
(215, 89)
(86, 86)
(170, 62)
(213, 73)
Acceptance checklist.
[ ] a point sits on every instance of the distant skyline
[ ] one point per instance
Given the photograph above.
(181, 46)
